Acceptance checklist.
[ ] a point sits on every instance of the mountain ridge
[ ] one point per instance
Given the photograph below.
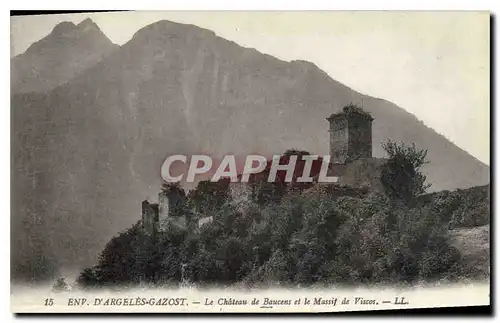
(89, 21)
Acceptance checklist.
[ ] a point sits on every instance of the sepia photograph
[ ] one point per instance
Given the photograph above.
(249, 161)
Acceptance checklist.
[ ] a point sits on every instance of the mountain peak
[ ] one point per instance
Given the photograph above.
(69, 29)
(87, 21)
(63, 28)
(88, 24)
(167, 27)
(77, 47)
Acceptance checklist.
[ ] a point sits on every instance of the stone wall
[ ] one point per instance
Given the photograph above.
(149, 217)
(350, 135)
(169, 203)
(363, 172)
(360, 138)
(339, 138)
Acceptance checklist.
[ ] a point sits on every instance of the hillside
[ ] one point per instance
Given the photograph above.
(466, 208)
(330, 236)
(85, 153)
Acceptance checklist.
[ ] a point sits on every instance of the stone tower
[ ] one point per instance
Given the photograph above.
(350, 135)
(149, 217)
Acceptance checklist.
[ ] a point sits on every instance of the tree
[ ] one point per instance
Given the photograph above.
(117, 262)
(172, 187)
(88, 278)
(209, 196)
(401, 176)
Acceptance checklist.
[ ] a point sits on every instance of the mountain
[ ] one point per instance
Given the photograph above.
(86, 153)
(65, 52)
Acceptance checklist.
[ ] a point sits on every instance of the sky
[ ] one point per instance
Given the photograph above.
(435, 65)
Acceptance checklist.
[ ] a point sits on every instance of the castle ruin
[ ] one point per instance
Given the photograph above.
(350, 135)
(350, 160)
(155, 216)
